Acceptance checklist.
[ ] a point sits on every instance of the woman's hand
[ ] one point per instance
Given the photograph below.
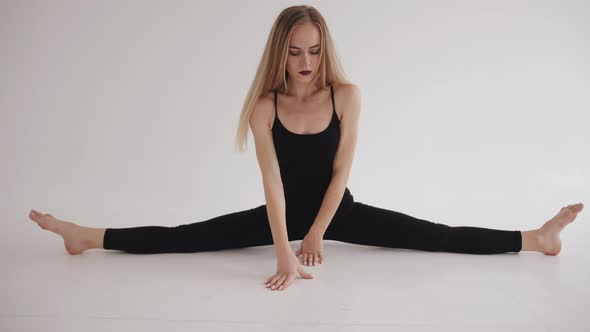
(312, 248)
(287, 268)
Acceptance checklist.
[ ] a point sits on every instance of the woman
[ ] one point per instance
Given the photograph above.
(304, 117)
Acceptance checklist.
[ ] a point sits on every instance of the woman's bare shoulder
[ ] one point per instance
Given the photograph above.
(264, 109)
(345, 88)
(346, 95)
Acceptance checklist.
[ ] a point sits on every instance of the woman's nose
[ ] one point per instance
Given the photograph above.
(307, 59)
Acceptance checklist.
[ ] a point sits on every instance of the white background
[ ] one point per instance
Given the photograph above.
(123, 113)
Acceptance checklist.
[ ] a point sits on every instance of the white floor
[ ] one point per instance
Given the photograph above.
(359, 288)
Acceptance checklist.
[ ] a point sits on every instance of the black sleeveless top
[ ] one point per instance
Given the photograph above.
(306, 163)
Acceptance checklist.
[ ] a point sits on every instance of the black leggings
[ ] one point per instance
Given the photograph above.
(363, 224)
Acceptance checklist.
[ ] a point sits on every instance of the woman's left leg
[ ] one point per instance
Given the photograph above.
(370, 225)
(240, 229)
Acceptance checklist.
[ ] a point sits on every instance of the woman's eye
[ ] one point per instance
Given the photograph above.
(314, 53)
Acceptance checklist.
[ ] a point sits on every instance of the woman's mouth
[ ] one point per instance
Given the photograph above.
(305, 72)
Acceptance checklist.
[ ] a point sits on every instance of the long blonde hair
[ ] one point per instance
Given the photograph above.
(272, 74)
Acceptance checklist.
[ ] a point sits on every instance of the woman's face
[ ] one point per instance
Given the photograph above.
(304, 52)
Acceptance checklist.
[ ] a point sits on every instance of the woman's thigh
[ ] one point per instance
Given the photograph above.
(239, 229)
(370, 225)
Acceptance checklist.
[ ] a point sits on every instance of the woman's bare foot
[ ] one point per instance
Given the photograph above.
(549, 240)
(76, 239)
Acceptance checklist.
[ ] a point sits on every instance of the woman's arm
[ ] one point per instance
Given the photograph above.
(350, 102)
(271, 177)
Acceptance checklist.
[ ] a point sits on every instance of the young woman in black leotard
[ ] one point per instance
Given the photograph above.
(305, 128)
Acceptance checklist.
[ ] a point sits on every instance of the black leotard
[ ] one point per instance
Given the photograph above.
(306, 164)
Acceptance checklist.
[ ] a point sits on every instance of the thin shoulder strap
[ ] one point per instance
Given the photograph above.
(332, 93)
(275, 94)
(276, 114)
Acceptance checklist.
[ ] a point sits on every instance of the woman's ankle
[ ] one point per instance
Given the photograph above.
(94, 237)
(530, 240)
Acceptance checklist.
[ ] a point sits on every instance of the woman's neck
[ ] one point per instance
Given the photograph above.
(301, 91)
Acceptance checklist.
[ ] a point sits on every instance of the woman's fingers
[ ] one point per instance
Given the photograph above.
(284, 282)
(279, 282)
(273, 280)
(313, 258)
(288, 281)
(274, 276)
(267, 283)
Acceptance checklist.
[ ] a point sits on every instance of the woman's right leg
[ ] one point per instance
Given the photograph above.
(234, 230)
(240, 229)
(375, 226)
